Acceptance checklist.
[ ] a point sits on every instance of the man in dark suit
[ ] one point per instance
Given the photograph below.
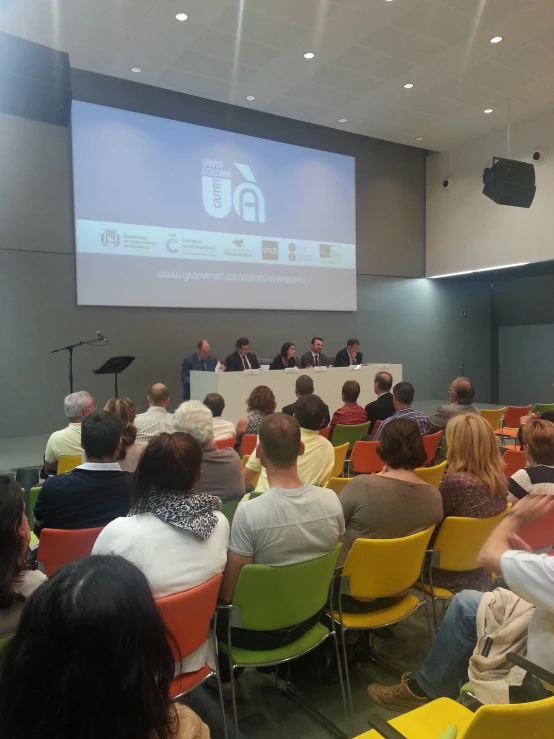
(305, 386)
(315, 357)
(383, 407)
(201, 360)
(242, 359)
(350, 355)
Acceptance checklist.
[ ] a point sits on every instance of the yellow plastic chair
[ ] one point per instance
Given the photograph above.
(67, 462)
(340, 459)
(336, 484)
(493, 417)
(255, 479)
(431, 475)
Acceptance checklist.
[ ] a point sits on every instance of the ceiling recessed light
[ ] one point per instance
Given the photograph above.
(136, 69)
(408, 85)
(250, 97)
(487, 111)
(496, 39)
(309, 55)
(181, 16)
(419, 138)
(343, 120)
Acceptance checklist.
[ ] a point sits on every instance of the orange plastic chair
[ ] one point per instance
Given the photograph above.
(224, 443)
(431, 443)
(248, 443)
(540, 534)
(513, 461)
(376, 427)
(325, 432)
(364, 457)
(59, 547)
(511, 422)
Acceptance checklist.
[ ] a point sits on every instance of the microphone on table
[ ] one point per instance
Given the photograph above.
(102, 338)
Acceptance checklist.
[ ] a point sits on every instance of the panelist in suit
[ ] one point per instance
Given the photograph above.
(242, 359)
(350, 355)
(315, 357)
(285, 358)
(383, 407)
(201, 360)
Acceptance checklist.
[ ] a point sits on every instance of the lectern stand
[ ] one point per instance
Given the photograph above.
(114, 366)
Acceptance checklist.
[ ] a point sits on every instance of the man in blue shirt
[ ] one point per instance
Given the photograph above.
(201, 360)
(402, 398)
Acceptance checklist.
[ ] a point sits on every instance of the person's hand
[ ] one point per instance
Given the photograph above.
(532, 508)
(517, 543)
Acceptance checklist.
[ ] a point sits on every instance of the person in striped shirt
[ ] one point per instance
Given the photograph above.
(402, 398)
(538, 476)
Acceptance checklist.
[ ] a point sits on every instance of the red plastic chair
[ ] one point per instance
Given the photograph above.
(513, 461)
(364, 458)
(540, 534)
(325, 432)
(376, 427)
(248, 443)
(59, 547)
(511, 422)
(224, 443)
(431, 443)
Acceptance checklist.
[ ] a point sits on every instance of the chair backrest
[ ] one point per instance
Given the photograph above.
(376, 427)
(431, 443)
(340, 459)
(188, 615)
(349, 433)
(380, 568)
(460, 539)
(512, 721)
(224, 443)
(244, 460)
(272, 598)
(336, 484)
(514, 460)
(540, 534)
(493, 416)
(513, 414)
(541, 408)
(229, 509)
(325, 432)
(364, 457)
(33, 495)
(59, 547)
(431, 475)
(67, 462)
(248, 443)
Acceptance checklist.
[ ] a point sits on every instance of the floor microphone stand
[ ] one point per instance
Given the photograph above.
(70, 348)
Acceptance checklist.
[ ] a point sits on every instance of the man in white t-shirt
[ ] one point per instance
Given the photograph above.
(222, 429)
(529, 576)
(67, 441)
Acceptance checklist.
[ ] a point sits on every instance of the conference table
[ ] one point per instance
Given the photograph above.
(235, 387)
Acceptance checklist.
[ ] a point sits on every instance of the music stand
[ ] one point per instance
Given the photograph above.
(114, 366)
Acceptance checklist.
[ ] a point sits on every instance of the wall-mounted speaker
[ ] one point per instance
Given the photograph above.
(510, 182)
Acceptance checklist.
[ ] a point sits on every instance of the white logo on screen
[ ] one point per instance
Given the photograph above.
(219, 197)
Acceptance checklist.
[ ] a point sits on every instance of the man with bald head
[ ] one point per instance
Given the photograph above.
(201, 361)
(156, 420)
(461, 394)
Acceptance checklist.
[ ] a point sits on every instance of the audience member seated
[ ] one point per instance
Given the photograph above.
(292, 522)
(92, 658)
(350, 355)
(351, 413)
(131, 449)
(260, 403)
(222, 429)
(546, 416)
(305, 386)
(156, 420)
(16, 582)
(383, 407)
(461, 394)
(315, 463)
(538, 476)
(396, 502)
(402, 398)
(474, 486)
(95, 493)
(166, 508)
(285, 358)
(221, 468)
(530, 579)
(68, 441)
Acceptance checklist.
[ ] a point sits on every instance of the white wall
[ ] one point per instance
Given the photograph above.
(466, 230)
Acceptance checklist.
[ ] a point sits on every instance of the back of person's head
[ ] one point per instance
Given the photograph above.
(304, 385)
(216, 403)
(462, 390)
(159, 395)
(101, 435)
(243, 341)
(383, 381)
(310, 412)
(77, 405)
(472, 447)
(261, 399)
(125, 410)
(194, 418)
(280, 440)
(350, 391)
(401, 445)
(538, 440)
(404, 393)
(170, 463)
(12, 541)
(91, 658)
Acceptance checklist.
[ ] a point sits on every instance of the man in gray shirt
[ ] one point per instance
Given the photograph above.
(461, 394)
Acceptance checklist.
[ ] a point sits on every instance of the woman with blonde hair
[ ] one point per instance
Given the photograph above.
(474, 486)
(131, 449)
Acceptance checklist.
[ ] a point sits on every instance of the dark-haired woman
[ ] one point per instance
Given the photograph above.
(92, 658)
(16, 582)
(285, 358)
(259, 404)
(178, 538)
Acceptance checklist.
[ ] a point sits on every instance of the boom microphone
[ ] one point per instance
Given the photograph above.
(102, 338)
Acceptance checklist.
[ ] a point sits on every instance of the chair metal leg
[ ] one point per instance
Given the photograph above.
(428, 619)
(233, 695)
(297, 698)
(349, 719)
(221, 703)
(345, 663)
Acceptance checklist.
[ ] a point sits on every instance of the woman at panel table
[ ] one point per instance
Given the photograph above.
(286, 358)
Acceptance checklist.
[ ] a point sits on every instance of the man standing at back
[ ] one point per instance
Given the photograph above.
(305, 386)
(156, 420)
(383, 407)
(403, 397)
(461, 394)
(67, 441)
(201, 360)
(315, 357)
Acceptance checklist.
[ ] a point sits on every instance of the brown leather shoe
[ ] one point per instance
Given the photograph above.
(396, 698)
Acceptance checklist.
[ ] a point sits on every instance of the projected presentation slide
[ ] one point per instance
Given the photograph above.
(170, 214)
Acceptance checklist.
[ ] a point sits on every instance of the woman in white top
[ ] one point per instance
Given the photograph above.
(131, 449)
(178, 538)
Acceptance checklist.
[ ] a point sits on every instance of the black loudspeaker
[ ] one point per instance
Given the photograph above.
(35, 81)
(509, 182)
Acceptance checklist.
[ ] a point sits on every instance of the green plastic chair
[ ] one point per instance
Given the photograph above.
(343, 434)
(269, 598)
(33, 495)
(229, 509)
(541, 408)
(4, 642)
